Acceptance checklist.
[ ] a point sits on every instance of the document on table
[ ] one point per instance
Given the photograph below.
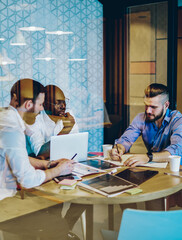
(126, 156)
(85, 170)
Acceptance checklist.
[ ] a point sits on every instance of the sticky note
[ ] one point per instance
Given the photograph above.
(133, 191)
(68, 187)
(68, 182)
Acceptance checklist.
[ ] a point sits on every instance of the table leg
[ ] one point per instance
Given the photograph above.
(166, 207)
(89, 222)
(111, 217)
(141, 205)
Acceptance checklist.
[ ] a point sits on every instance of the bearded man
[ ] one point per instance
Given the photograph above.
(160, 128)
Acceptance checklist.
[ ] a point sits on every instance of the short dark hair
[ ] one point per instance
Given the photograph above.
(53, 94)
(156, 89)
(26, 89)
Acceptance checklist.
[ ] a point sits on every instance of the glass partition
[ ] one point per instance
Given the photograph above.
(179, 57)
(60, 43)
(146, 53)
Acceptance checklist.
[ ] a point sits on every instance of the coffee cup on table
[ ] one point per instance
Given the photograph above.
(174, 163)
(106, 150)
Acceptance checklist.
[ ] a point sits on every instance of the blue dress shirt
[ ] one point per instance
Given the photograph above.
(168, 137)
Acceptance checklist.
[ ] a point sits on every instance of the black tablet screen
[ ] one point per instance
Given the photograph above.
(136, 175)
(97, 163)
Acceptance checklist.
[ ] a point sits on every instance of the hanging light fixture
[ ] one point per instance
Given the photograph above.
(75, 53)
(47, 54)
(5, 74)
(18, 40)
(5, 60)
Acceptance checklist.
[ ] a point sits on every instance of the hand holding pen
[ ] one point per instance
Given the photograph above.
(116, 153)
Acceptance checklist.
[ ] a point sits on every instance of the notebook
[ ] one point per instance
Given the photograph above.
(66, 146)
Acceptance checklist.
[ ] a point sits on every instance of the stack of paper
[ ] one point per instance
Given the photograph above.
(68, 184)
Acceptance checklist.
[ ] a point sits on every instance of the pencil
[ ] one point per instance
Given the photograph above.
(74, 156)
(118, 153)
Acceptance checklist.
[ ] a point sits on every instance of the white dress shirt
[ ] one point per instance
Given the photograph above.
(14, 162)
(43, 129)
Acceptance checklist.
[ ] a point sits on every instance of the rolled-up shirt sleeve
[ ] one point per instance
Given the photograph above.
(175, 147)
(18, 161)
(132, 132)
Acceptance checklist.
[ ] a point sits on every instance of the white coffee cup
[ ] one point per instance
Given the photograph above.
(174, 162)
(106, 149)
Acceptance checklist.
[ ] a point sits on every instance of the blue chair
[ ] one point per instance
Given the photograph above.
(151, 225)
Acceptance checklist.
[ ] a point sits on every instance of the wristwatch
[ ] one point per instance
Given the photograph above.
(150, 156)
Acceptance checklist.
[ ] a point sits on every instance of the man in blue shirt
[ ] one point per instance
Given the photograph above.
(160, 128)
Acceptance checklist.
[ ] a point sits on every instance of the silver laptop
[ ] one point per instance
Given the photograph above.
(66, 146)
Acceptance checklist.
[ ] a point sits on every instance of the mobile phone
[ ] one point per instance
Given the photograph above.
(69, 176)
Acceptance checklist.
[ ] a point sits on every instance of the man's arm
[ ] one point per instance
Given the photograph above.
(58, 167)
(37, 164)
(132, 133)
(68, 123)
(44, 152)
(140, 159)
(67, 120)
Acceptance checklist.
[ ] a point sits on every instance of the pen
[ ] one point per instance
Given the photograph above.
(49, 164)
(74, 156)
(174, 175)
(113, 171)
(118, 152)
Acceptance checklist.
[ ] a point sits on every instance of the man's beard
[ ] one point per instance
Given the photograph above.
(29, 116)
(155, 118)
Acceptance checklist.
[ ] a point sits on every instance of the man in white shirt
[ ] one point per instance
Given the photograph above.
(58, 121)
(15, 165)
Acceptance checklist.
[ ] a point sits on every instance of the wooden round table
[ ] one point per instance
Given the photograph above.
(158, 187)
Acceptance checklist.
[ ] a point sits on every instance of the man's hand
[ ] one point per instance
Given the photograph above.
(116, 153)
(65, 166)
(136, 160)
(68, 117)
(68, 122)
(59, 167)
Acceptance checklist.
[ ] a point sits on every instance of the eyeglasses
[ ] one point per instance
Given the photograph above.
(59, 102)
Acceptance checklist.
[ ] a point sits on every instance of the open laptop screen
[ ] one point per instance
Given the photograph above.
(66, 146)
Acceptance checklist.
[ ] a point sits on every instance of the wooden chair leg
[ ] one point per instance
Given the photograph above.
(111, 216)
(22, 193)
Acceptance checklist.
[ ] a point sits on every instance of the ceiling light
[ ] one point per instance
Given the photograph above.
(59, 33)
(24, 6)
(32, 29)
(77, 59)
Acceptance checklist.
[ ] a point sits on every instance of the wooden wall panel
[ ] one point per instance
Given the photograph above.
(180, 22)
(179, 76)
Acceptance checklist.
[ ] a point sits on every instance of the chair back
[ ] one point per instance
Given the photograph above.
(151, 225)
